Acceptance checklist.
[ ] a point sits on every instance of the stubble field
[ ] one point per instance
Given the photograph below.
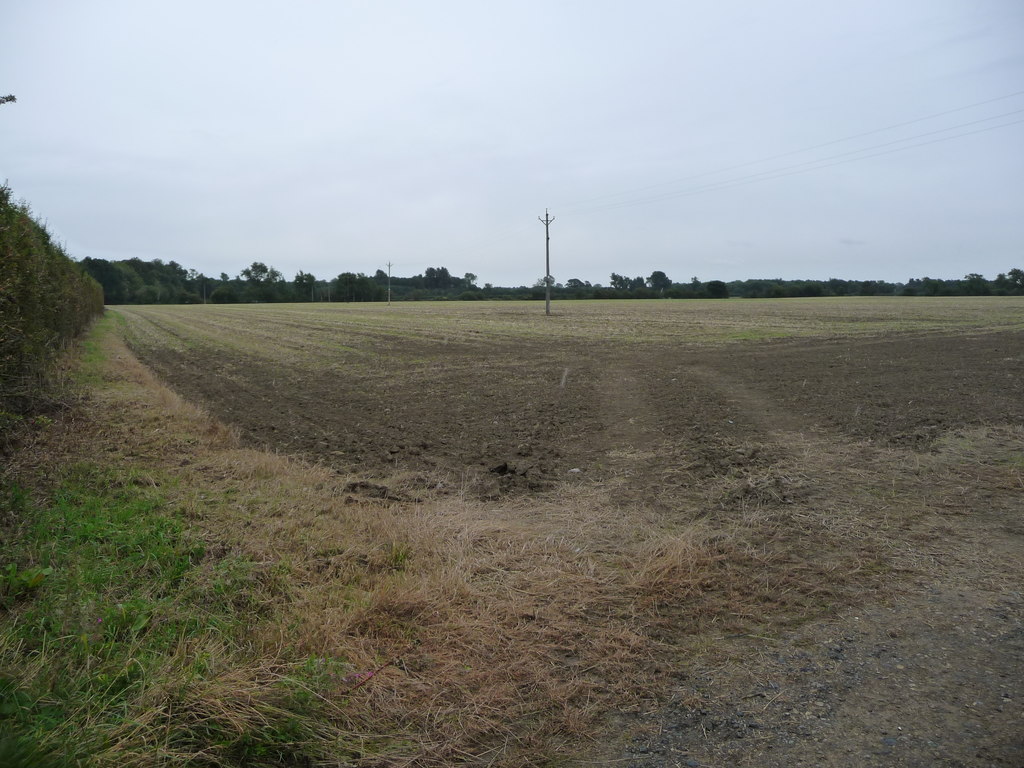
(634, 530)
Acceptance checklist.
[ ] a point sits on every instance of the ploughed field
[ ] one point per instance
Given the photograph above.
(494, 398)
(679, 504)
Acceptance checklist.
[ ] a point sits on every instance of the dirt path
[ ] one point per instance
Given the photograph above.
(929, 672)
(753, 405)
(931, 677)
(925, 672)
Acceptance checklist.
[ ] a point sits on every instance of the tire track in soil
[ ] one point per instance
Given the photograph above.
(760, 411)
(627, 440)
(664, 434)
(929, 676)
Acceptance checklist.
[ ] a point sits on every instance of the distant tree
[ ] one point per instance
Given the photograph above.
(1015, 277)
(177, 270)
(258, 272)
(357, 287)
(809, 288)
(469, 279)
(659, 281)
(868, 288)
(134, 281)
(716, 289)
(437, 277)
(619, 282)
(747, 289)
(263, 283)
(345, 286)
(304, 286)
(224, 294)
(838, 287)
(976, 285)
(113, 279)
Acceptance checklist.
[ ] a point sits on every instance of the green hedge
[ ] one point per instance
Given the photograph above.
(46, 300)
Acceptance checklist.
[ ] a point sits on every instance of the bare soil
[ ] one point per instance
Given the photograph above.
(914, 654)
(528, 413)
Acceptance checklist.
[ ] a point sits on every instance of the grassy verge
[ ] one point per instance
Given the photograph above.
(117, 630)
(124, 641)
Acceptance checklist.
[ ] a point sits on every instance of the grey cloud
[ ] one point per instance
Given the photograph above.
(662, 136)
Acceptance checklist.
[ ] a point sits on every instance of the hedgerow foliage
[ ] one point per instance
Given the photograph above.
(46, 300)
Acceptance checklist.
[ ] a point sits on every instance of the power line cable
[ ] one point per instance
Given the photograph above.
(576, 205)
(776, 173)
(798, 169)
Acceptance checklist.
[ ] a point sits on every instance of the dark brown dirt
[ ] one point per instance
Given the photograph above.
(493, 417)
(900, 390)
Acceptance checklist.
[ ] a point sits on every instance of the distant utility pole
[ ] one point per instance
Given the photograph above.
(389, 283)
(546, 221)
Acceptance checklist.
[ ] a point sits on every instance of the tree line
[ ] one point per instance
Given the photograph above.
(133, 281)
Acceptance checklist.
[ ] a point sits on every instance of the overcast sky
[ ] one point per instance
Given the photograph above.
(794, 138)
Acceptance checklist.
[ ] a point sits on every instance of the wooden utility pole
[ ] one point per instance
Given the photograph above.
(546, 221)
(389, 283)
